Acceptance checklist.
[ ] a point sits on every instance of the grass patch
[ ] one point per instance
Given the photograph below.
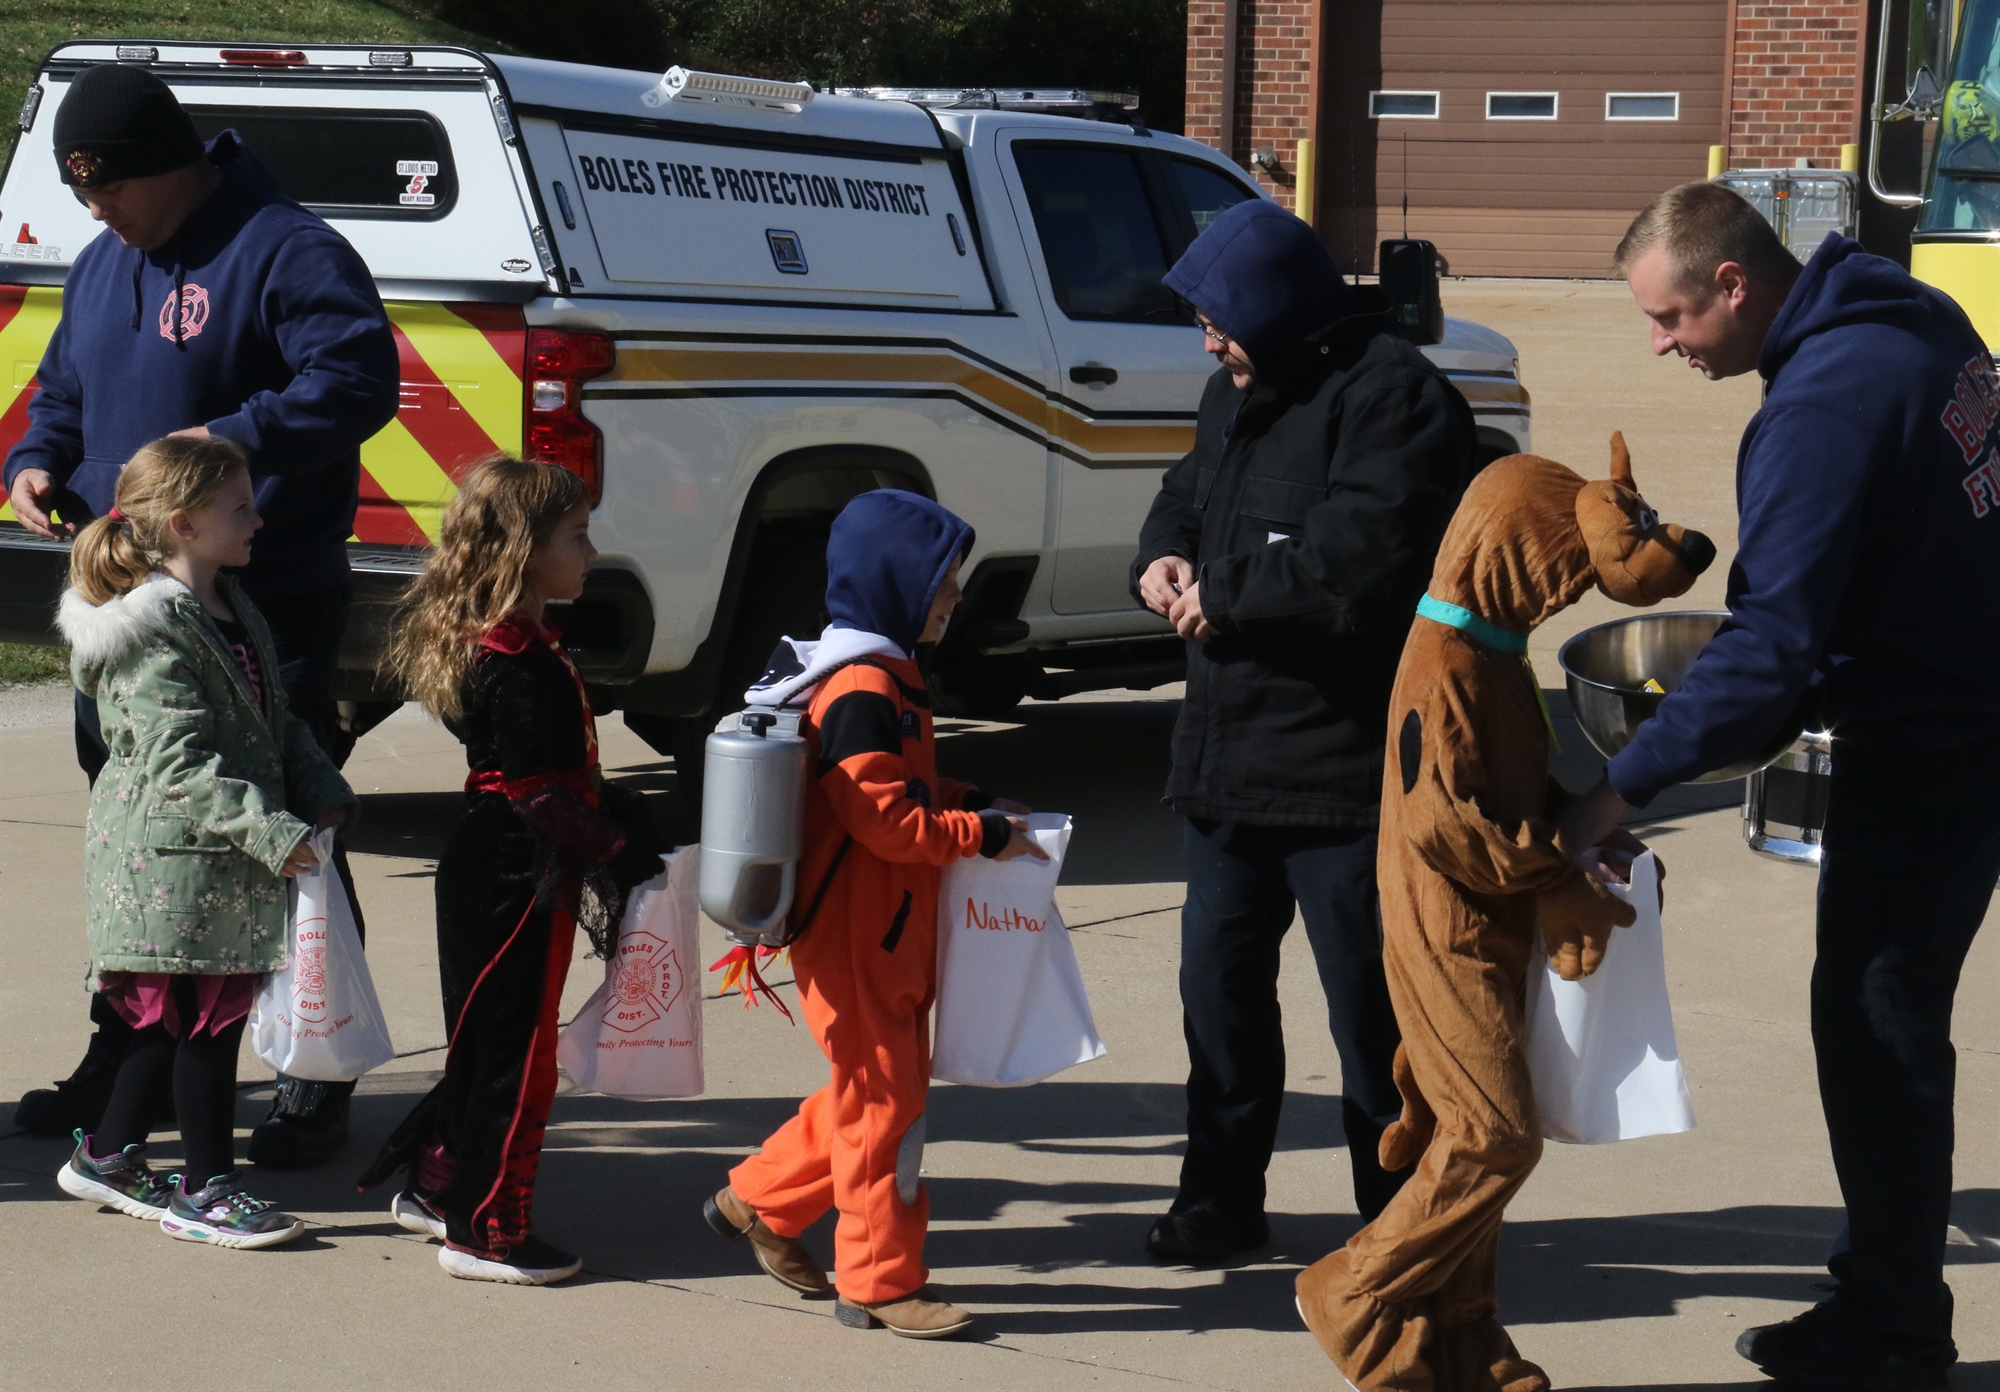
(33, 27)
(20, 663)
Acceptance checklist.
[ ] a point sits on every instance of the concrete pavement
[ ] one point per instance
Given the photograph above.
(1628, 1265)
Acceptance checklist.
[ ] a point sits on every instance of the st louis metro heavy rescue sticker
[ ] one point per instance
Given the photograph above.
(672, 212)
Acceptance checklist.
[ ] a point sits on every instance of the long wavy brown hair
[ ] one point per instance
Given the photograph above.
(176, 474)
(475, 577)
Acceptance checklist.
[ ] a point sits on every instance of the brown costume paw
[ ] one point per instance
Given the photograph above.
(1577, 915)
(1377, 1347)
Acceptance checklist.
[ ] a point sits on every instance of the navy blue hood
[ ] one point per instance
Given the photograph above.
(887, 556)
(1264, 278)
(1844, 285)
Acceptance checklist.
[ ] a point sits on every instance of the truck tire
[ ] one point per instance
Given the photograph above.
(980, 688)
(784, 593)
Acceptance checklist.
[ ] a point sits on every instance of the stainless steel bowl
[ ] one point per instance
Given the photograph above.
(1607, 667)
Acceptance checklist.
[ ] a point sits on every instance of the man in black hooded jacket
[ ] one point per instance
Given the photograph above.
(1289, 548)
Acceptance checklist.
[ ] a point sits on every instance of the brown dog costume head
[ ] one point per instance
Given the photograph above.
(1531, 536)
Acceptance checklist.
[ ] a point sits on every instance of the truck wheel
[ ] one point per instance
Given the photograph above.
(784, 593)
(980, 688)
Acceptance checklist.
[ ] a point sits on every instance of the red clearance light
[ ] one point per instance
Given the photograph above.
(553, 428)
(264, 57)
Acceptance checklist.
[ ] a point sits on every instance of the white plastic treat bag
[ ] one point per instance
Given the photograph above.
(639, 1034)
(1601, 1050)
(1011, 1006)
(318, 1017)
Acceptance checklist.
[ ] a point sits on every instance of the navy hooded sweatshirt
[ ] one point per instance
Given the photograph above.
(888, 553)
(256, 320)
(1868, 555)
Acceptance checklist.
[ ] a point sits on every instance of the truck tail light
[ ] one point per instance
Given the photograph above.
(554, 430)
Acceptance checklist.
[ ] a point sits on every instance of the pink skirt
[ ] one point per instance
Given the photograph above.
(147, 998)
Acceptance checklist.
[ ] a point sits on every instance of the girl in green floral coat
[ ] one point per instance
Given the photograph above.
(199, 817)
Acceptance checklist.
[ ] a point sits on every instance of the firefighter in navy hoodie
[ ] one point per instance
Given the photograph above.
(210, 305)
(880, 826)
(1868, 501)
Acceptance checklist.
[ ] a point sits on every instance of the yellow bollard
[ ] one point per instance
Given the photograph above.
(1718, 160)
(1304, 192)
(1850, 159)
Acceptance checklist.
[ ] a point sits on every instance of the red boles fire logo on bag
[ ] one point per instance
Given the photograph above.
(309, 997)
(645, 983)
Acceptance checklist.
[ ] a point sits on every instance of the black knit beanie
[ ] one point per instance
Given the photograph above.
(120, 122)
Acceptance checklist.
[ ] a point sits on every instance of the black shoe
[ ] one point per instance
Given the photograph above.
(1822, 1350)
(307, 1124)
(1206, 1232)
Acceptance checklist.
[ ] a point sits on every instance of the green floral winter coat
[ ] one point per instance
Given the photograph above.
(202, 798)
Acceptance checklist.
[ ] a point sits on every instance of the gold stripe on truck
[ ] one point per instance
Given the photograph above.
(1090, 441)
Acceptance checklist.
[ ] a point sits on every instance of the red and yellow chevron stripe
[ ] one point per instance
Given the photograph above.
(461, 398)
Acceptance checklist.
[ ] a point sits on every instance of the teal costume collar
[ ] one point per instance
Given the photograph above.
(1465, 621)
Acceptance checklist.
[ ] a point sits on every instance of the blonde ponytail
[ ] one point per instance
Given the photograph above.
(118, 551)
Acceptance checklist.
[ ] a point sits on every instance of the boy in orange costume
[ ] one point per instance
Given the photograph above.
(1468, 866)
(880, 827)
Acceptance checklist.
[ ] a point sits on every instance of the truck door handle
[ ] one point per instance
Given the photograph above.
(1093, 372)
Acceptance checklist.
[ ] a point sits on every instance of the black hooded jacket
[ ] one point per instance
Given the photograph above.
(1312, 507)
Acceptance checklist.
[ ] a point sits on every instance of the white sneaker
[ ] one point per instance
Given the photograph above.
(533, 1263)
(412, 1214)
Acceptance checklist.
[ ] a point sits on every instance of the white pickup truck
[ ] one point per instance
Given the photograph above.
(730, 305)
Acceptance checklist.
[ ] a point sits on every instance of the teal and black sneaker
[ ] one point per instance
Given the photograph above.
(120, 1181)
(222, 1213)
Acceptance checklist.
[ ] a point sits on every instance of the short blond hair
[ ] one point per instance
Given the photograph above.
(177, 474)
(1702, 225)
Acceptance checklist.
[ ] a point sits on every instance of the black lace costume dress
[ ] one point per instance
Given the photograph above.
(542, 840)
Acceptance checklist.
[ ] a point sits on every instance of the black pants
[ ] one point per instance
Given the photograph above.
(1912, 851)
(202, 1070)
(1243, 885)
(306, 629)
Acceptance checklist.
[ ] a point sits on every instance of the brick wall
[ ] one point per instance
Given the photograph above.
(1273, 107)
(1795, 82)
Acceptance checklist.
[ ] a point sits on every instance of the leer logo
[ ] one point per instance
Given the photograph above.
(645, 984)
(194, 312)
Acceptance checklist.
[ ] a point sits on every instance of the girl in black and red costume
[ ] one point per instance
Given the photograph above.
(543, 843)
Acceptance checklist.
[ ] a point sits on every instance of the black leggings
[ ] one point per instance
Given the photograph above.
(204, 1074)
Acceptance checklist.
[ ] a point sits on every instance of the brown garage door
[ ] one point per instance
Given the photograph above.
(1525, 135)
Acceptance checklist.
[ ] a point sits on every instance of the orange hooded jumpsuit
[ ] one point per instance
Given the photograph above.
(880, 826)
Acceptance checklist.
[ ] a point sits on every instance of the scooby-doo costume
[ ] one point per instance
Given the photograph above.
(1468, 867)
(543, 840)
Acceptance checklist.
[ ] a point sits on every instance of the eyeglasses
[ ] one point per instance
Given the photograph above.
(1213, 334)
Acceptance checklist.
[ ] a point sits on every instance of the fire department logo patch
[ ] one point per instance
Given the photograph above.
(194, 312)
(82, 166)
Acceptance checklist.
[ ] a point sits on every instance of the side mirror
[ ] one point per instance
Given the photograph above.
(1408, 274)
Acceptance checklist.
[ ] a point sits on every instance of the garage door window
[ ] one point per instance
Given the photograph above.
(1098, 232)
(1403, 106)
(1520, 106)
(347, 164)
(1642, 106)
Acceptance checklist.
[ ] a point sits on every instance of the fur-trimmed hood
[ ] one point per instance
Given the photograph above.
(100, 634)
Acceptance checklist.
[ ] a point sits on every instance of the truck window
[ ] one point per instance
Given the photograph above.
(1209, 192)
(350, 164)
(1098, 232)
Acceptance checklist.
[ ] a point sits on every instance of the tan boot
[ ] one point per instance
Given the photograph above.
(915, 1316)
(784, 1259)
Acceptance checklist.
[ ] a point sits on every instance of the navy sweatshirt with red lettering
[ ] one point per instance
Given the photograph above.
(1868, 536)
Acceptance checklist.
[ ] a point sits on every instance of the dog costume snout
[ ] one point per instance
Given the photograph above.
(1697, 552)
